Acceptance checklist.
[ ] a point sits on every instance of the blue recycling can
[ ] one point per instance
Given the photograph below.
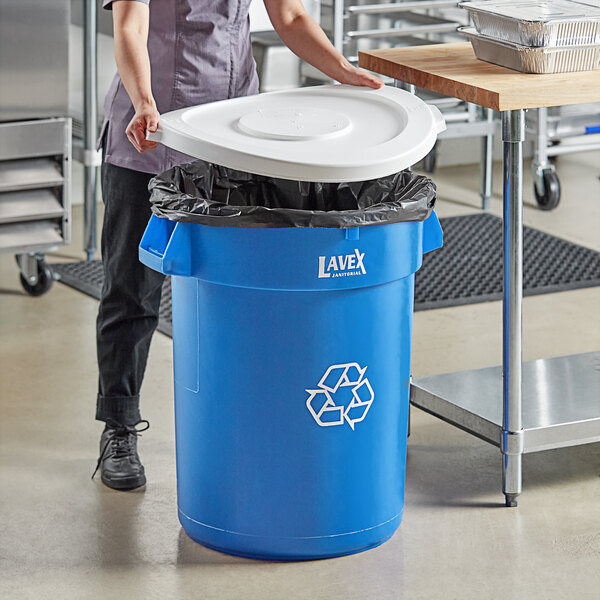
(291, 362)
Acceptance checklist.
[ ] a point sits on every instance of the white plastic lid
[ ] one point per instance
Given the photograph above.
(329, 133)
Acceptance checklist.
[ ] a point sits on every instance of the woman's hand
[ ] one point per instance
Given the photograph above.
(145, 119)
(353, 76)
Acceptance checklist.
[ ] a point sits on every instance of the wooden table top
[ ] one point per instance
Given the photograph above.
(453, 70)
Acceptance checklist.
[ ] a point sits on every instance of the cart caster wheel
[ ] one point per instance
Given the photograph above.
(551, 196)
(430, 160)
(44, 282)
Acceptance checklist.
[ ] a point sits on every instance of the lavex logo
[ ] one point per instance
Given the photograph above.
(342, 266)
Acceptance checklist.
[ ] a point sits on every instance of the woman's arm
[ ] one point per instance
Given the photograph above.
(303, 36)
(131, 22)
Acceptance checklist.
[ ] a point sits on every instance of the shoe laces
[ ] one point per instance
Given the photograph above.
(120, 439)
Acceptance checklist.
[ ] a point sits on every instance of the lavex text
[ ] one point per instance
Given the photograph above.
(342, 266)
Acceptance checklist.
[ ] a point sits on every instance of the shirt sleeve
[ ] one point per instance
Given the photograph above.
(108, 3)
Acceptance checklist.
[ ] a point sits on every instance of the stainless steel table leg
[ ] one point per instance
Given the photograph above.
(511, 443)
(487, 163)
(90, 125)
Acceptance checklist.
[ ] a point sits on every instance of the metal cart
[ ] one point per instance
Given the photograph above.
(519, 407)
(35, 136)
(35, 203)
(550, 127)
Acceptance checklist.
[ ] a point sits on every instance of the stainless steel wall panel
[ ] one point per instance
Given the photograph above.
(34, 39)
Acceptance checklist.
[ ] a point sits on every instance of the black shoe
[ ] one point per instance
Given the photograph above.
(119, 463)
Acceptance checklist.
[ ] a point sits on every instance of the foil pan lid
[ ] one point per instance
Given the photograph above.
(545, 11)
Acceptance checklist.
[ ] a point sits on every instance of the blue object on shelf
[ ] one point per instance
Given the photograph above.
(292, 362)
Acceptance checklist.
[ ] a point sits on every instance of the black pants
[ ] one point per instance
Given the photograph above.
(128, 313)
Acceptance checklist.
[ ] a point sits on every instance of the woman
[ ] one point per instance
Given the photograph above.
(170, 54)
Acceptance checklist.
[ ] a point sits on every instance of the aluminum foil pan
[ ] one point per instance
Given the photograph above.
(557, 59)
(538, 23)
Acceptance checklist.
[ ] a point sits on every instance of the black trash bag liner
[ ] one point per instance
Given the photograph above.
(200, 192)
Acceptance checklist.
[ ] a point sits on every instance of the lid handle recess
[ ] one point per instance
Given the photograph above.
(154, 136)
(440, 122)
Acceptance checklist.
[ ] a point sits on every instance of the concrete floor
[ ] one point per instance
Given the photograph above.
(65, 536)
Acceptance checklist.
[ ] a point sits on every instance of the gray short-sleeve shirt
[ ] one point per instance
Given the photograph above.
(200, 52)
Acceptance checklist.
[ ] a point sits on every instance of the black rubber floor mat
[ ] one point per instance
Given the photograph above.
(468, 269)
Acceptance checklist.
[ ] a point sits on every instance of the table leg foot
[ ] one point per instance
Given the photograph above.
(511, 500)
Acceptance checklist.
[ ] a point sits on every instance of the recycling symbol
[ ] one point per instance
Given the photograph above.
(344, 395)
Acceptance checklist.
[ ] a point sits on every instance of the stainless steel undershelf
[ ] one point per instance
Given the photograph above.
(561, 401)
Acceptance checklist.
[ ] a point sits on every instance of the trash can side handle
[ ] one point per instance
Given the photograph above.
(165, 247)
(433, 235)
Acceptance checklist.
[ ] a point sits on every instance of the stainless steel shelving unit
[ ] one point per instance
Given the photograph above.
(355, 25)
(351, 24)
(35, 195)
(550, 128)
